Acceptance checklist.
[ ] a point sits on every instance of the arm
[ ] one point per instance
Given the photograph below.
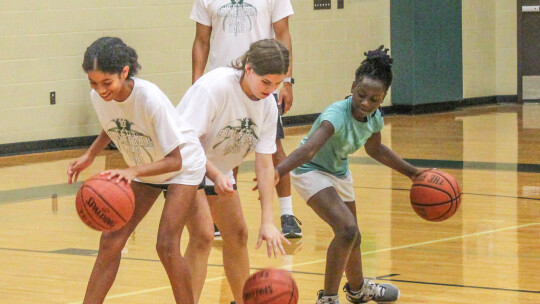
(281, 28)
(389, 158)
(81, 163)
(306, 152)
(200, 51)
(170, 163)
(264, 170)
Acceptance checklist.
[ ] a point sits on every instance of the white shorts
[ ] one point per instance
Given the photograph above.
(310, 183)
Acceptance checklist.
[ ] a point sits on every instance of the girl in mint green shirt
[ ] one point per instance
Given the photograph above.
(321, 175)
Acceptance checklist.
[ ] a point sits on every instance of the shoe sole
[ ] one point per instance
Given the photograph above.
(293, 235)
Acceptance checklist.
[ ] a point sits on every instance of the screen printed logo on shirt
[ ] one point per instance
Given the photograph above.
(238, 138)
(132, 143)
(237, 16)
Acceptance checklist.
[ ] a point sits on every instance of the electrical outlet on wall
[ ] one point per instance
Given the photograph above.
(52, 97)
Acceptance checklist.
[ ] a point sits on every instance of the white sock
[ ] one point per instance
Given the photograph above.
(285, 204)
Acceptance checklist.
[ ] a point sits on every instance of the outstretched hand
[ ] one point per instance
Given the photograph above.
(118, 175)
(273, 238)
(76, 166)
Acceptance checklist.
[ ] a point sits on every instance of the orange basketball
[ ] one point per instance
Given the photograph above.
(435, 195)
(103, 204)
(270, 285)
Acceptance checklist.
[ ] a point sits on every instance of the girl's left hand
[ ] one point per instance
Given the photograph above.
(121, 174)
(273, 238)
(419, 171)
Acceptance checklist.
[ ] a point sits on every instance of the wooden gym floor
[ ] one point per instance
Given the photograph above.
(489, 252)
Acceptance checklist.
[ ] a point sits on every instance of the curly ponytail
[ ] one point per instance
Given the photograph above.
(377, 65)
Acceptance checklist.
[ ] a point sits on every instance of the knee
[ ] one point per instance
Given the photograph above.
(110, 247)
(349, 234)
(238, 236)
(165, 247)
(202, 240)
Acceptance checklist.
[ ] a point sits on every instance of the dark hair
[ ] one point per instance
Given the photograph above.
(377, 65)
(110, 55)
(267, 56)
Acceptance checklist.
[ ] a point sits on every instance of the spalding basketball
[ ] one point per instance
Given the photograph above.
(270, 286)
(435, 195)
(104, 204)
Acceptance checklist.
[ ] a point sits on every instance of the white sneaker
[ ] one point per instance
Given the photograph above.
(370, 291)
(322, 299)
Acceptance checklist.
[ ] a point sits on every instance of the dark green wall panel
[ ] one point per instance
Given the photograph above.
(427, 51)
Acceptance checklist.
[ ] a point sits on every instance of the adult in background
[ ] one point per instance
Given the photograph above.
(225, 30)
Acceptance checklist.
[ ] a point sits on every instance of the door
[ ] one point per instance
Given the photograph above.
(529, 50)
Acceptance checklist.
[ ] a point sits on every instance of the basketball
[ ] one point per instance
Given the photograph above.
(435, 195)
(105, 205)
(270, 285)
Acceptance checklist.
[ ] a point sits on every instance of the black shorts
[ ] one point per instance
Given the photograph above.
(165, 187)
(210, 190)
(280, 134)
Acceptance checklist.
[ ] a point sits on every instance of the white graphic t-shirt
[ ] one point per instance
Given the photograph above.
(145, 127)
(229, 124)
(236, 24)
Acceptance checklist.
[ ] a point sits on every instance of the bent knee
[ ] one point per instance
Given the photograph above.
(349, 234)
(202, 240)
(238, 235)
(165, 246)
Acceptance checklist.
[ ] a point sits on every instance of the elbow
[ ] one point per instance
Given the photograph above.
(175, 165)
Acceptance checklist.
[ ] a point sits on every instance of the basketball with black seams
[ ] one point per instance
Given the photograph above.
(435, 195)
(105, 205)
(270, 286)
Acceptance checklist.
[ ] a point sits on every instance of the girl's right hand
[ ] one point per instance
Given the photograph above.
(76, 166)
(223, 185)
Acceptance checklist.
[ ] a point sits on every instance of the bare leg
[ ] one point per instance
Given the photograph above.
(111, 244)
(329, 206)
(227, 214)
(180, 199)
(353, 269)
(201, 235)
(283, 188)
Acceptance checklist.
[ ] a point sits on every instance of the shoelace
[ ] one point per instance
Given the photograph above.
(291, 218)
(371, 290)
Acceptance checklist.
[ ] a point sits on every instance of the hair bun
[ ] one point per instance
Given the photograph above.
(379, 53)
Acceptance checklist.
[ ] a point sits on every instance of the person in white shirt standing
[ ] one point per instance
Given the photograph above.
(162, 152)
(224, 31)
(233, 111)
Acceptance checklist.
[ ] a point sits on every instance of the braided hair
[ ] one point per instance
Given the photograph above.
(110, 55)
(377, 65)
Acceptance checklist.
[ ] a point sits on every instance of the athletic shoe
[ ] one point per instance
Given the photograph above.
(322, 299)
(216, 231)
(289, 226)
(370, 291)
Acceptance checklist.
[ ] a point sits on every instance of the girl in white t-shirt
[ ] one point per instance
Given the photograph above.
(234, 113)
(161, 151)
